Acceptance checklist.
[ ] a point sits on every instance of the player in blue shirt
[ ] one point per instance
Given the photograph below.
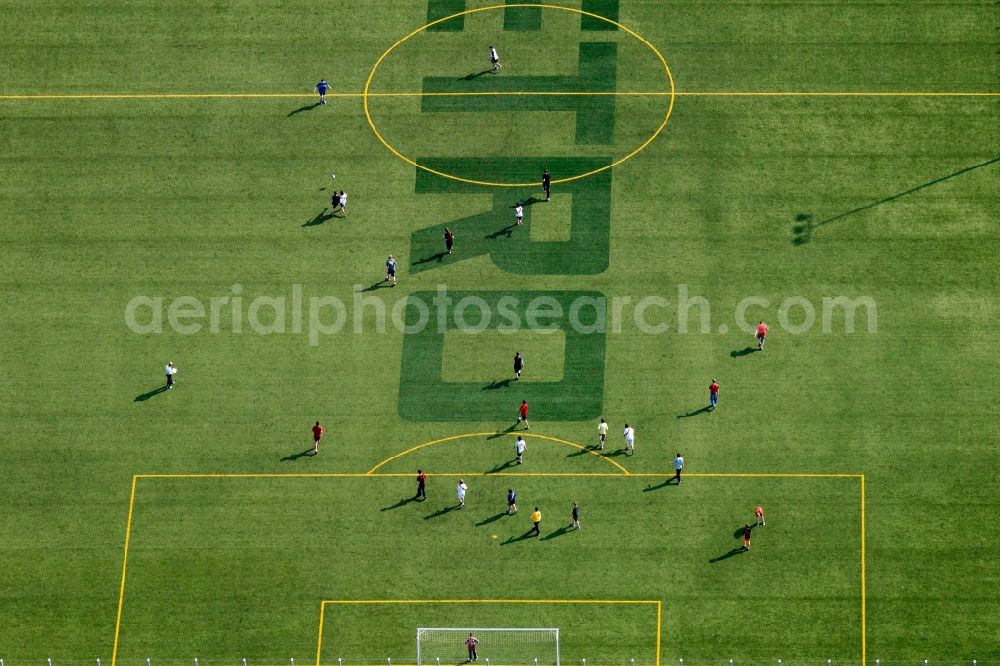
(390, 270)
(511, 501)
(321, 88)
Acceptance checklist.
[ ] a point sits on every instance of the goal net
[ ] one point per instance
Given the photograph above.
(497, 645)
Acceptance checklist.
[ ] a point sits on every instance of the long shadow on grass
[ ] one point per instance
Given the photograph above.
(491, 519)
(509, 430)
(400, 503)
(558, 533)
(584, 451)
(301, 109)
(441, 512)
(376, 285)
(746, 351)
(499, 384)
(434, 257)
(666, 482)
(296, 456)
(507, 231)
(527, 535)
(725, 556)
(320, 218)
(501, 467)
(805, 224)
(703, 410)
(143, 397)
(475, 75)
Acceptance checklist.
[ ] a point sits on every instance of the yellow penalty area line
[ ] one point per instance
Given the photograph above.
(568, 93)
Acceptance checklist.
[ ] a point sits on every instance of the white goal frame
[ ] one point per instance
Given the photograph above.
(553, 631)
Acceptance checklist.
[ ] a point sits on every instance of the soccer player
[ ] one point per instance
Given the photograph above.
(342, 201)
(460, 493)
(518, 365)
(629, 439)
(536, 518)
(747, 530)
(522, 414)
(713, 394)
(547, 183)
(602, 434)
(321, 88)
(449, 240)
(171, 371)
(335, 202)
(520, 446)
(494, 59)
(759, 515)
(421, 485)
(317, 435)
(761, 334)
(471, 642)
(390, 270)
(511, 501)
(519, 214)
(576, 516)
(678, 468)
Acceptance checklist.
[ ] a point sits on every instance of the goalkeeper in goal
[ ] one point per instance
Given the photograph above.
(471, 642)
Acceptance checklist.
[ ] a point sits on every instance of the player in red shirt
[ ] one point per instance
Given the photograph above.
(449, 240)
(713, 394)
(759, 514)
(317, 435)
(761, 334)
(421, 485)
(471, 642)
(522, 414)
(747, 530)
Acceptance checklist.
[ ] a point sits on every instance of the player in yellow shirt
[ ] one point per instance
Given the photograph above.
(536, 518)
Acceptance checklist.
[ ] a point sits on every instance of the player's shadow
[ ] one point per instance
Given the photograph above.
(703, 410)
(502, 466)
(507, 231)
(746, 351)
(400, 503)
(514, 539)
(441, 512)
(558, 533)
(499, 384)
(322, 217)
(475, 75)
(582, 451)
(666, 482)
(375, 285)
(725, 556)
(491, 519)
(143, 397)
(434, 257)
(295, 456)
(301, 109)
(501, 433)
(617, 453)
(805, 225)
(530, 201)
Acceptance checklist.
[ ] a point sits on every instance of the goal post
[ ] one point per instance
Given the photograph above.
(500, 646)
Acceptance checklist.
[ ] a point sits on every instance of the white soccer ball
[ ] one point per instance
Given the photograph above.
(333, 176)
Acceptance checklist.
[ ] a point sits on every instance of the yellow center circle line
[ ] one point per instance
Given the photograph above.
(373, 471)
(371, 75)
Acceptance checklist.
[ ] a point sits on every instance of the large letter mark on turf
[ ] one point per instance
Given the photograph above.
(493, 231)
(595, 115)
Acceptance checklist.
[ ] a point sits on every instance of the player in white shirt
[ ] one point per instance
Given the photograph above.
(629, 439)
(460, 492)
(494, 59)
(519, 214)
(520, 446)
(602, 434)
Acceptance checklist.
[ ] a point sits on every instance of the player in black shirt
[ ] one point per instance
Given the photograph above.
(547, 184)
(518, 365)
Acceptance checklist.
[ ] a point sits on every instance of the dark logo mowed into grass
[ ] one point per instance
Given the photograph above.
(425, 396)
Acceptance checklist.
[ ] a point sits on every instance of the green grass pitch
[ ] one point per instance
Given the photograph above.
(164, 195)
